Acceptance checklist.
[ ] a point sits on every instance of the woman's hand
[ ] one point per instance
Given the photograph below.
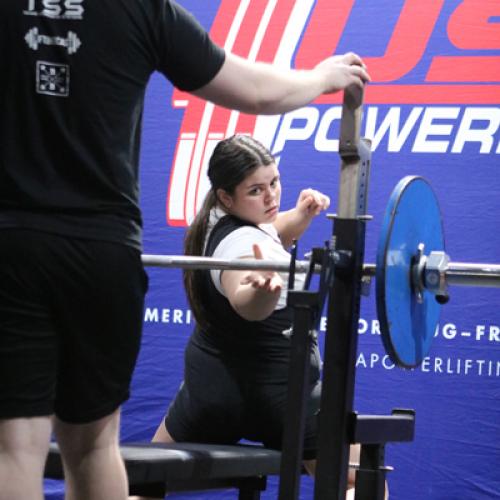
(267, 281)
(252, 294)
(292, 223)
(311, 203)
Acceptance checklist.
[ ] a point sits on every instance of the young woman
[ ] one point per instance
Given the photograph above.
(236, 361)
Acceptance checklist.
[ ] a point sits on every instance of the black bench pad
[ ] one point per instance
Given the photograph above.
(184, 466)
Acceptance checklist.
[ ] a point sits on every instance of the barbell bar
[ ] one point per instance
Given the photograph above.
(195, 262)
(455, 273)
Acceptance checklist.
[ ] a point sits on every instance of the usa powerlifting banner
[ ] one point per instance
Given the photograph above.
(432, 110)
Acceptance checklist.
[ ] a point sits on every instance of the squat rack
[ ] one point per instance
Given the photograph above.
(339, 425)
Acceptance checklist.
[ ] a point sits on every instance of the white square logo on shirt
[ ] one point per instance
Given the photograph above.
(52, 79)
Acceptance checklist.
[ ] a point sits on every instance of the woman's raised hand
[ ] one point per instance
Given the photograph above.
(312, 202)
(268, 281)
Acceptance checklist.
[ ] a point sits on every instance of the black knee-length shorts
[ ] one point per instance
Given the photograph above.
(70, 325)
(220, 403)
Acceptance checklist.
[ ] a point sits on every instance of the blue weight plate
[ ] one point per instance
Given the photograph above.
(412, 216)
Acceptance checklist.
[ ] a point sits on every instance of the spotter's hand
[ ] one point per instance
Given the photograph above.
(341, 71)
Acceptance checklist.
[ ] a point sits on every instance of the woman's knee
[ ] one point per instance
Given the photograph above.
(162, 435)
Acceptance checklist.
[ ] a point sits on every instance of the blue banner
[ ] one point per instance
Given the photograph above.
(432, 110)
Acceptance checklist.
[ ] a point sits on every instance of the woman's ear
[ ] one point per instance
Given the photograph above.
(225, 198)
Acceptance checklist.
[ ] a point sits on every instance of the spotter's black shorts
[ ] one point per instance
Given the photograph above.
(70, 325)
(219, 403)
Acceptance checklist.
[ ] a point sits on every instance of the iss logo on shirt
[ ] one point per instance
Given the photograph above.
(55, 9)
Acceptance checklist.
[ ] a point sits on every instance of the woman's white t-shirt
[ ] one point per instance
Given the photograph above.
(238, 244)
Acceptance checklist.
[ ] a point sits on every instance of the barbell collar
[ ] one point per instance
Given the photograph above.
(438, 273)
(473, 274)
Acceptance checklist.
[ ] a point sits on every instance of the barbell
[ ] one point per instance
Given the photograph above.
(412, 271)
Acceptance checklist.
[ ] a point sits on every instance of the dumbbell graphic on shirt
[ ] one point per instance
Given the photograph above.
(34, 39)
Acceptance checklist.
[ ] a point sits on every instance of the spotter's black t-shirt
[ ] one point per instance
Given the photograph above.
(72, 83)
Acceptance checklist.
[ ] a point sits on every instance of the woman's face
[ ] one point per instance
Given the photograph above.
(257, 198)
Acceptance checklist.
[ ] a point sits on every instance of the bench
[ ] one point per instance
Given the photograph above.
(155, 469)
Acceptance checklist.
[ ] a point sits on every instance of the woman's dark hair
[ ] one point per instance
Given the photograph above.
(232, 161)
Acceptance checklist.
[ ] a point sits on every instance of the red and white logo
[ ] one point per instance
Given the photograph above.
(299, 34)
